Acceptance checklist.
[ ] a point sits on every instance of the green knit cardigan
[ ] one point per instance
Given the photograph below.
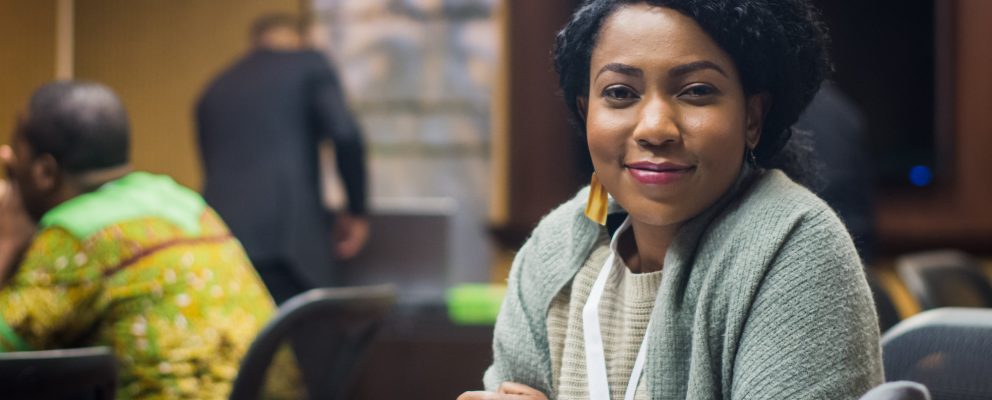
(763, 297)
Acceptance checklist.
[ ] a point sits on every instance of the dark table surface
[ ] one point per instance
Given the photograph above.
(420, 354)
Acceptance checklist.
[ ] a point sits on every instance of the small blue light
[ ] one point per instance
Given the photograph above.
(921, 175)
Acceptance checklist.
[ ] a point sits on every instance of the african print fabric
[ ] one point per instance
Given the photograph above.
(144, 266)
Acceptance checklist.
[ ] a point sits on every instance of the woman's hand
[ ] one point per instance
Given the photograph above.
(506, 391)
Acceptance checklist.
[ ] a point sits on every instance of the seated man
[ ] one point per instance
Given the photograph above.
(123, 259)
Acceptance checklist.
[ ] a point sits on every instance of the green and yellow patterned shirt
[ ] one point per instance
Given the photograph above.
(144, 266)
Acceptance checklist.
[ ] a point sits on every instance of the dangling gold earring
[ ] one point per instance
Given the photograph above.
(598, 202)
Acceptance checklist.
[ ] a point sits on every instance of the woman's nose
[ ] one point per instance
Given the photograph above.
(656, 125)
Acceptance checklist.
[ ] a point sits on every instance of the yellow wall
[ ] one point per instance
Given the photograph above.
(158, 55)
(27, 54)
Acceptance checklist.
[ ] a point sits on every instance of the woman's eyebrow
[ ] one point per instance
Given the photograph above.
(695, 66)
(621, 69)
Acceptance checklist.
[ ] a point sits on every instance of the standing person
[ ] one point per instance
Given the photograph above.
(95, 254)
(260, 124)
(689, 269)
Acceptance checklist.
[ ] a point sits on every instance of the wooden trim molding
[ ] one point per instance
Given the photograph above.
(64, 38)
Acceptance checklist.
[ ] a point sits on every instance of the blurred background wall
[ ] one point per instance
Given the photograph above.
(27, 55)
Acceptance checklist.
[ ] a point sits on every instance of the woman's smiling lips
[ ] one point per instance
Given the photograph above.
(650, 173)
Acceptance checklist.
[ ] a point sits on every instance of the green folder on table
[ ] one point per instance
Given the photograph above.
(474, 303)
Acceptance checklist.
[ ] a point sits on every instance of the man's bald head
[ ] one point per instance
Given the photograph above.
(83, 125)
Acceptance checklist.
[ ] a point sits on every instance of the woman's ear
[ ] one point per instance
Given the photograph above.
(582, 105)
(757, 107)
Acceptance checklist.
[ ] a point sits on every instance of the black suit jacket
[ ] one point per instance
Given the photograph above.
(259, 125)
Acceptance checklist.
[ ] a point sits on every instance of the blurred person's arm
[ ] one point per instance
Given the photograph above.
(16, 230)
(16, 226)
(336, 123)
(199, 123)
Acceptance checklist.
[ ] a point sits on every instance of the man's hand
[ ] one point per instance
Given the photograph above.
(16, 226)
(506, 391)
(350, 234)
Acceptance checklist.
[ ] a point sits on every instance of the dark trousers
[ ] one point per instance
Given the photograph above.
(280, 279)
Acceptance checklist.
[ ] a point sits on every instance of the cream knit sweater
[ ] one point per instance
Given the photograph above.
(624, 312)
(762, 297)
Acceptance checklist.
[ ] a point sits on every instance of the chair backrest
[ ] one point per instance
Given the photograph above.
(945, 278)
(898, 390)
(328, 329)
(84, 373)
(949, 350)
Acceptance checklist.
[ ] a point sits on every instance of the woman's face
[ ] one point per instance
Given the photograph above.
(666, 117)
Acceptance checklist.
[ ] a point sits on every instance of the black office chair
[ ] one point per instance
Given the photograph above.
(945, 278)
(949, 350)
(329, 330)
(85, 373)
(899, 390)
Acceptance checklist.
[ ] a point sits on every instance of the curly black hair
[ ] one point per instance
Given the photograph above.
(778, 46)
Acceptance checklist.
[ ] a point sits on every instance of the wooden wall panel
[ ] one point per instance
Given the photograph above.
(27, 55)
(540, 166)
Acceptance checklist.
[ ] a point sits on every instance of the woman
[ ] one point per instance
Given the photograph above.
(725, 279)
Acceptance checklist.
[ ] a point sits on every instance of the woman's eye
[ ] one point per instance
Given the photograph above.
(619, 93)
(699, 91)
